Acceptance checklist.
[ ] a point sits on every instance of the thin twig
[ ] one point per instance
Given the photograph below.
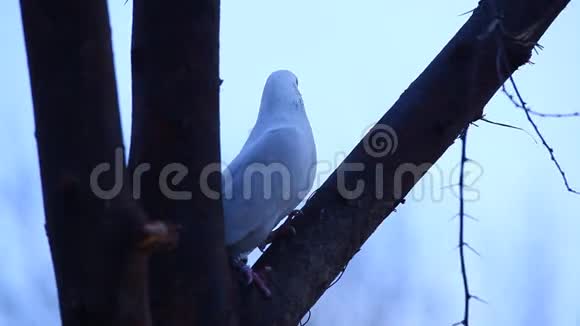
(522, 104)
(501, 124)
(462, 243)
(550, 150)
(533, 112)
(509, 126)
(553, 115)
(309, 314)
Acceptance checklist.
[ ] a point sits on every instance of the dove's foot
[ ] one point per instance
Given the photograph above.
(257, 277)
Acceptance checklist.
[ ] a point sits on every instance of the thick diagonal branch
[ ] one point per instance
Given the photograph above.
(426, 120)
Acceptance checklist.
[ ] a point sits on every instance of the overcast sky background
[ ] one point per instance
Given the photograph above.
(353, 61)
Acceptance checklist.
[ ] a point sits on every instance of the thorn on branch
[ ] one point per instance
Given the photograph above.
(465, 215)
(467, 12)
(470, 217)
(474, 297)
(457, 185)
(471, 248)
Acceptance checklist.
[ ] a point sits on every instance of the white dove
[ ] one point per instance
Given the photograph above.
(271, 174)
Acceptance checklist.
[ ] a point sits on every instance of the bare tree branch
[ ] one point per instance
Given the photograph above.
(522, 105)
(427, 119)
(462, 243)
(532, 112)
(176, 128)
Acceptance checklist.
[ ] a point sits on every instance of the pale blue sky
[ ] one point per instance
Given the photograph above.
(353, 61)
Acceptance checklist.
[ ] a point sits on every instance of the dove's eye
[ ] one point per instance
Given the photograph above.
(296, 81)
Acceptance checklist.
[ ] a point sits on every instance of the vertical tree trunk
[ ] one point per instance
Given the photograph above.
(92, 231)
(176, 127)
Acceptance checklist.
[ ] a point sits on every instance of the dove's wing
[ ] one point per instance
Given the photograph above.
(285, 155)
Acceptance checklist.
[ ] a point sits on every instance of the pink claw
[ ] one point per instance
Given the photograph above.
(257, 277)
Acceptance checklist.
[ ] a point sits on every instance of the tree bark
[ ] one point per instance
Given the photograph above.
(92, 225)
(175, 59)
(100, 239)
(424, 122)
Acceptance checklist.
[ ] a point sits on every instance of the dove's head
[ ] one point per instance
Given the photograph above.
(281, 94)
(281, 78)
